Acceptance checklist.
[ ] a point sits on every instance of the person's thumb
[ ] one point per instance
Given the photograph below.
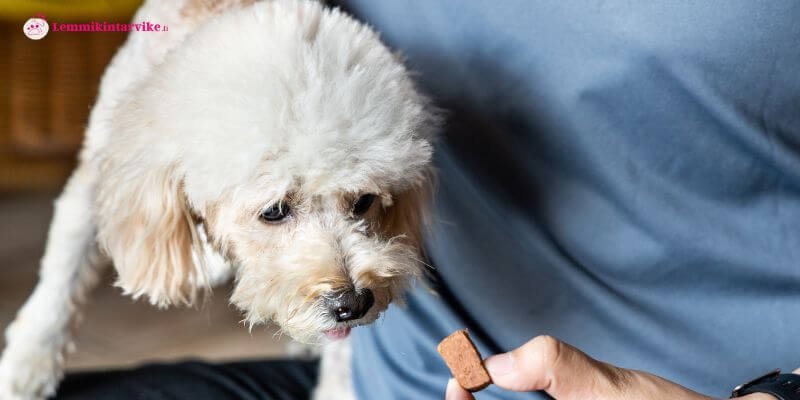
(561, 370)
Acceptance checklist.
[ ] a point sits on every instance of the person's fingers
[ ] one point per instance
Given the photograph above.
(545, 363)
(566, 373)
(456, 392)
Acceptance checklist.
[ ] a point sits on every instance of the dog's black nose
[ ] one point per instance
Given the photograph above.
(350, 304)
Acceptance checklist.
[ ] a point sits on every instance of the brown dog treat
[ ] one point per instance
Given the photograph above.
(464, 361)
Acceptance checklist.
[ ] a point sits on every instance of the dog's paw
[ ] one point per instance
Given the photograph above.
(29, 369)
(29, 374)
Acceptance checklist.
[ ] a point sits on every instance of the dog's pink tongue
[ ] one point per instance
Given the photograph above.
(338, 333)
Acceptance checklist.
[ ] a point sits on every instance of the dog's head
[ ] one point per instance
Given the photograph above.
(293, 142)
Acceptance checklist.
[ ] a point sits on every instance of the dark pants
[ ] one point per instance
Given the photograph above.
(254, 380)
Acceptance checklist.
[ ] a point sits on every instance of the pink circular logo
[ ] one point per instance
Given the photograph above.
(35, 28)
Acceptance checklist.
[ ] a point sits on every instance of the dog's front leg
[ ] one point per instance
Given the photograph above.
(36, 342)
(335, 380)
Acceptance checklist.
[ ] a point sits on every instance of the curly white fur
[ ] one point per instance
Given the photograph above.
(196, 131)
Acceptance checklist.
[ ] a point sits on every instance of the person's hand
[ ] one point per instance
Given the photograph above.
(566, 373)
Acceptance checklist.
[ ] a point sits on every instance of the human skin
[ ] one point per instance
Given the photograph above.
(566, 373)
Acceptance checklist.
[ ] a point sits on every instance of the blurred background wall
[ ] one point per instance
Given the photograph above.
(47, 87)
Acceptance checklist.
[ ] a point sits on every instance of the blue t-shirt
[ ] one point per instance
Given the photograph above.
(623, 175)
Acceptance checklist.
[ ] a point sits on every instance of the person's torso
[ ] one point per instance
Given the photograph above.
(622, 175)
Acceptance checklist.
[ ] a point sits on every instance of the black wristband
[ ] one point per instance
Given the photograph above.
(782, 386)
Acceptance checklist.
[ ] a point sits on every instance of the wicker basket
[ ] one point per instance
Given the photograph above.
(52, 85)
(46, 90)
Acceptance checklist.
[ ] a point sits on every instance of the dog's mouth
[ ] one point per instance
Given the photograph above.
(343, 331)
(338, 333)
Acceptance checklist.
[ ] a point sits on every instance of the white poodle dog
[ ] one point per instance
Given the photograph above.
(279, 139)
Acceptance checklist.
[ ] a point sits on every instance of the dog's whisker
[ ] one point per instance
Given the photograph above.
(424, 263)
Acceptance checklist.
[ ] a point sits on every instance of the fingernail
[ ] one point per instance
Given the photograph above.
(450, 393)
(499, 364)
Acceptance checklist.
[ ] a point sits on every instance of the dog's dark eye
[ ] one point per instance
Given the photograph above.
(275, 213)
(363, 204)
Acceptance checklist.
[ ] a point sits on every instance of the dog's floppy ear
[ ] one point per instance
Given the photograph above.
(146, 226)
(408, 216)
